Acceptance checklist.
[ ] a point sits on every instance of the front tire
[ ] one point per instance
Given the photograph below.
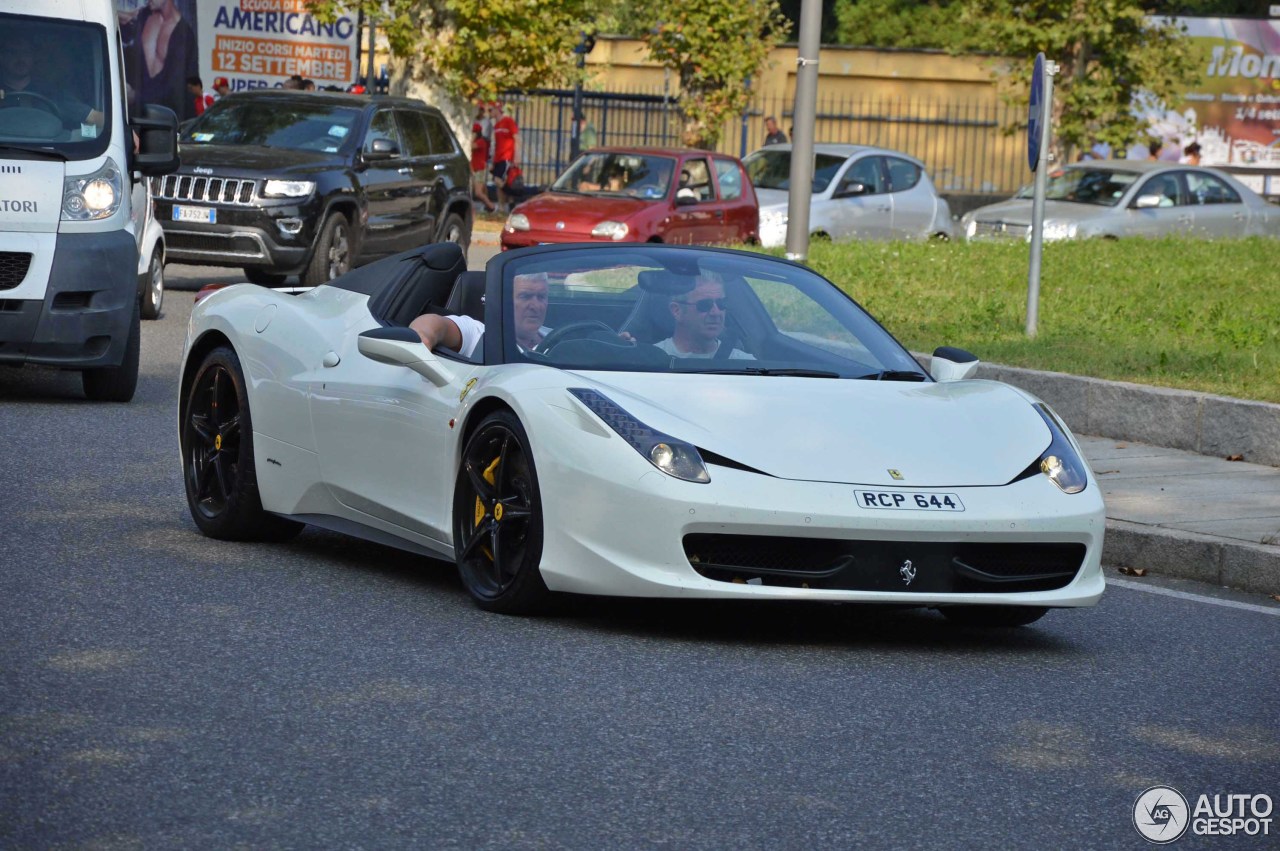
(497, 519)
(333, 252)
(455, 230)
(217, 456)
(117, 383)
(151, 286)
(993, 617)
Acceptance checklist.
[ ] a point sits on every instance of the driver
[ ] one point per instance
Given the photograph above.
(699, 315)
(17, 77)
(463, 333)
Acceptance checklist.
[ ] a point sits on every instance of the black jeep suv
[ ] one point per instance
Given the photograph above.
(310, 183)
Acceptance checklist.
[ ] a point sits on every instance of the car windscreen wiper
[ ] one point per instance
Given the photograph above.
(895, 375)
(43, 152)
(764, 370)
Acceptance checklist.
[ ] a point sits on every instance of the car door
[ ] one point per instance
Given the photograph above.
(1219, 209)
(428, 171)
(1160, 206)
(388, 182)
(740, 217)
(861, 206)
(914, 204)
(694, 221)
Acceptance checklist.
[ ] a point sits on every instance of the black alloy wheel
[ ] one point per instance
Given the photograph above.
(333, 252)
(455, 230)
(497, 519)
(217, 457)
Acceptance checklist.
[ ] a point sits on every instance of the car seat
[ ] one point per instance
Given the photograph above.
(429, 276)
(467, 298)
(650, 319)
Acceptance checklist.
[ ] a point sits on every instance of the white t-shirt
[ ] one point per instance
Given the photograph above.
(669, 346)
(472, 331)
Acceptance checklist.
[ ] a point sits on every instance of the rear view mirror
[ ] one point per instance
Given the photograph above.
(1145, 202)
(403, 347)
(157, 129)
(952, 364)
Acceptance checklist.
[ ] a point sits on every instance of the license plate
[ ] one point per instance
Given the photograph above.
(910, 500)
(207, 215)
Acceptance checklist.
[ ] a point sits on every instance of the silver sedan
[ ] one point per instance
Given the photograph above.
(1122, 198)
(859, 192)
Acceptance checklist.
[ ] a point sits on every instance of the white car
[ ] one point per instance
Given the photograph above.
(150, 238)
(805, 455)
(859, 192)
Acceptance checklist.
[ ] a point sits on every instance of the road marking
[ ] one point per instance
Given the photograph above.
(1183, 595)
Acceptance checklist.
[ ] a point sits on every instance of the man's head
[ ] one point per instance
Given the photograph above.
(222, 86)
(194, 85)
(699, 315)
(529, 305)
(495, 109)
(771, 124)
(17, 58)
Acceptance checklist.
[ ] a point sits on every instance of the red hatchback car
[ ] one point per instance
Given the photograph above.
(641, 195)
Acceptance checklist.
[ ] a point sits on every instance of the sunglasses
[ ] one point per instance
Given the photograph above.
(704, 304)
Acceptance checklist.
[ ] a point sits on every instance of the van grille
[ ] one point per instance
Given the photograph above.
(13, 268)
(208, 190)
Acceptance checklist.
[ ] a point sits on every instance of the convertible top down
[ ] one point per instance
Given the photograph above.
(636, 420)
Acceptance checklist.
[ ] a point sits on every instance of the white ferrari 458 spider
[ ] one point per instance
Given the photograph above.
(645, 421)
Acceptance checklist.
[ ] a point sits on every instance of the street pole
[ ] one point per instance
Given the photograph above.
(1037, 203)
(369, 78)
(802, 141)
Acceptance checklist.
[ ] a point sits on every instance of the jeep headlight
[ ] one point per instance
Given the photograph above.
(1060, 230)
(93, 196)
(1060, 463)
(517, 221)
(288, 188)
(672, 456)
(611, 230)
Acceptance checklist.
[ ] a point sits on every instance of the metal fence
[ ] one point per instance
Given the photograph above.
(963, 144)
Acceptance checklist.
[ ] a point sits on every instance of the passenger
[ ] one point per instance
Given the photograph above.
(463, 334)
(700, 315)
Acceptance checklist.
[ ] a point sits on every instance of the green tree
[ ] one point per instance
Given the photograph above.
(715, 46)
(902, 23)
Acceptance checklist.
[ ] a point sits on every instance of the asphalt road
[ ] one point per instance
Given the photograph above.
(162, 690)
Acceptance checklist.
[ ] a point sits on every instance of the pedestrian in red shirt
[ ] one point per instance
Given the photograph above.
(480, 159)
(504, 150)
(203, 100)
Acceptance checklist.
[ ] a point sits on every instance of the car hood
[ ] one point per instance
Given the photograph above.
(583, 210)
(1017, 211)
(947, 434)
(771, 199)
(254, 160)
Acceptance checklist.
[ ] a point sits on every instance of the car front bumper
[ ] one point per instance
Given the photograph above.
(274, 237)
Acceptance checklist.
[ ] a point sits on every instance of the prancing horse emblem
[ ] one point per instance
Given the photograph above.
(897, 476)
(907, 571)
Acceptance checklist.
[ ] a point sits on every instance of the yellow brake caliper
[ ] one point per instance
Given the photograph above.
(491, 478)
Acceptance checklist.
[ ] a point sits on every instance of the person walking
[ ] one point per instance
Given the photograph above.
(773, 133)
(480, 159)
(505, 131)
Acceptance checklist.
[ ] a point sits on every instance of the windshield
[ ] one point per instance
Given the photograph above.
(274, 124)
(663, 309)
(1100, 187)
(614, 173)
(53, 86)
(771, 169)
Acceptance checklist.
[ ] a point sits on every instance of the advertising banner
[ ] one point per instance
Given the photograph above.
(255, 43)
(160, 52)
(1234, 113)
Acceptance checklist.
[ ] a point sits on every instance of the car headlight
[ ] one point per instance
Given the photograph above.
(93, 196)
(517, 221)
(611, 230)
(672, 456)
(288, 188)
(1060, 230)
(773, 218)
(1060, 462)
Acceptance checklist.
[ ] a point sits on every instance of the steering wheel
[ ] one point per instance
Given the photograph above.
(574, 331)
(47, 106)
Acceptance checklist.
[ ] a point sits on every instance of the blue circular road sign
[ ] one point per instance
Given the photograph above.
(1036, 113)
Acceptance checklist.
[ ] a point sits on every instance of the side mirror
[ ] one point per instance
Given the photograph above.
(952, 364)
(403, 347)
(850, 190)
(1145, 202)
(688, 200)
(157, 129)
(381, 149)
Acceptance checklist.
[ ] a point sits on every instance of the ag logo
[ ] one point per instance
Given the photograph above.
(1161, 815)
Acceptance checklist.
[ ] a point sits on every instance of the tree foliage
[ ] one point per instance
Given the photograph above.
(715, 46)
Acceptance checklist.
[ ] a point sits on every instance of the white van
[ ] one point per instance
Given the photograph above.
(69, 252)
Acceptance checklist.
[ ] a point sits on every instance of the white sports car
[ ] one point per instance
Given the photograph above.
(646, 421)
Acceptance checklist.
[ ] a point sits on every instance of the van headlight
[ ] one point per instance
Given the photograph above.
(611, 230)
(675, 457)
(94, 196)
(288, 188)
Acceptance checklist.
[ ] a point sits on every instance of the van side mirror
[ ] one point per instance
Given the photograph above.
(952, 364)
(157, 129)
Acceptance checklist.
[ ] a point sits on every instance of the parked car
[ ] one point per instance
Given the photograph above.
(859, 192)
(313, 183)
(151, 258)
(640, 195)
(696, 423)
(1120, 198)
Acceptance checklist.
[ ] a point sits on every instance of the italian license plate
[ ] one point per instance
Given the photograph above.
(207, 215)
(910, 500)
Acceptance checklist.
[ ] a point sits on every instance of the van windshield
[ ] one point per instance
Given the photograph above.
(54, 86)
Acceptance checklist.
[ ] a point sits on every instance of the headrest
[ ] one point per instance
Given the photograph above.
(442, 255)
(662, 282)
(467, 298)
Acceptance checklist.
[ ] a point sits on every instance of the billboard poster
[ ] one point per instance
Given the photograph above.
(256, 43)
(160, 44)
(1234, 113)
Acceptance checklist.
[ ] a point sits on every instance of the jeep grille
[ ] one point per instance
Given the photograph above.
(209, 190)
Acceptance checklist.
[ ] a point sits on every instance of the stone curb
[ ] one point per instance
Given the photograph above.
(1188, 555)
